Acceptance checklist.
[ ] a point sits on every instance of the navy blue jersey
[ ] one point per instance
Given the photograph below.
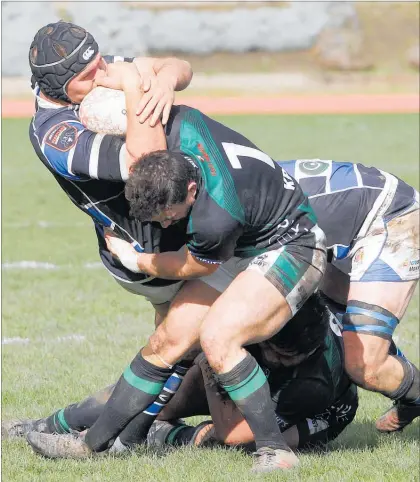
(91, 169)
(246, 203)
(346, 197)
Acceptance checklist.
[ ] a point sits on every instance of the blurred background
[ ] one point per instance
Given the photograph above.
(240, 47)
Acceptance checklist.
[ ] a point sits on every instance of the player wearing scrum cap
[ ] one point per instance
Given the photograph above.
(91, 168)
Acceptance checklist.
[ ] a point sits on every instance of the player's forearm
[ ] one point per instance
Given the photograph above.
(141, 138)
(172, 265)
(177, 72)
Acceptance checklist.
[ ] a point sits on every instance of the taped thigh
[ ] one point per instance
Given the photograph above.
(369, 319)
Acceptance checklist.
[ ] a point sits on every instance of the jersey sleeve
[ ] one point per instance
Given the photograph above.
(77, 153)
(212, 234)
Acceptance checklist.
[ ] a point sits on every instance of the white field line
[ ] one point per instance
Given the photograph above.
(17, 340)
(45, 225)
(42, 266)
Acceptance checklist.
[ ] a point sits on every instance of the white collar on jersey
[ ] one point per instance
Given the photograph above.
(47, 104)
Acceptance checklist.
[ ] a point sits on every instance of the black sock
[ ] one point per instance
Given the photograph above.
(409, 390)
(136, 389)
(247, 386)
(136, 431)
(57, 423)
(82, 415)
(180, 435)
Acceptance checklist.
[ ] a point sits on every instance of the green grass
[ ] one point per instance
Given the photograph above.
(42, 305)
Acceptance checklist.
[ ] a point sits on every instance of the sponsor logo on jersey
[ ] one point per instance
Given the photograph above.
(414, 266)
(316, 425)
(288, 182)
(281, 422)
(261, 261)
(62, 137)
(87, 54)
(359, 256)
(206, 159)
(314, 167)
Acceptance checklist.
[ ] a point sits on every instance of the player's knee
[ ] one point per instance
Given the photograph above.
(215, 346)
(212, 348)
(164, 341)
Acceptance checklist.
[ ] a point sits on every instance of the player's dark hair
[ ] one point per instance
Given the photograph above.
(306, 330)
(158, 180)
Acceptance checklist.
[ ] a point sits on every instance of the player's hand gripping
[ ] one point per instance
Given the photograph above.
(123, 250)
(120, 75)
(157, 100)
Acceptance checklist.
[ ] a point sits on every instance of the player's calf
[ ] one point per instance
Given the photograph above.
(367, 333)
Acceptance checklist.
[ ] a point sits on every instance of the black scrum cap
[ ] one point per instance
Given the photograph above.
(58, 53)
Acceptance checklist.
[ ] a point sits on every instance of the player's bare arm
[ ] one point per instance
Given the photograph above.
(140, 138)
(171, 265)
(168, 75)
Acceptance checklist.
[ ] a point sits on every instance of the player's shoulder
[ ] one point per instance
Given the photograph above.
(55, 120)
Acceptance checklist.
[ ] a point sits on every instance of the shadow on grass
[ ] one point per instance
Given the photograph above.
(363, 435)
(359, 436)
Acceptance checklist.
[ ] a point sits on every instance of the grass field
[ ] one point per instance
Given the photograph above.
(69, 330)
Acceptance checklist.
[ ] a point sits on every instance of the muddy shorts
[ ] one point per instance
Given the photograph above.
(389, 250)
(295, 269)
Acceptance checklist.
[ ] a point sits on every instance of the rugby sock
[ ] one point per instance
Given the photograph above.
(409, 390)
(57, 423)
(137, 388)
(79, 416)
(394, 350)
(180, 435)
(136, 430)
(247, 386)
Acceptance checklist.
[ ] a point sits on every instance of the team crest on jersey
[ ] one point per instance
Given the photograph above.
(313, 167)
(62, 137)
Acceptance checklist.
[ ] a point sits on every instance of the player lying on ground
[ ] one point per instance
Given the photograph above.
(303, 256)
(314, 400)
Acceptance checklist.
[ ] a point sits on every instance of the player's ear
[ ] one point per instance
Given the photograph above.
(192, 191)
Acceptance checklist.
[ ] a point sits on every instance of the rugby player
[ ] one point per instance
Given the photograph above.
(304, 365)
(279, 248)
(92, 168)
(75, 155)
(371, 221)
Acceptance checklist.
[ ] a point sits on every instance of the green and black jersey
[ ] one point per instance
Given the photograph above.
(246, 203)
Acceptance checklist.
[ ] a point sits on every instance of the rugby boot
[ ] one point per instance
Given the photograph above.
(67, 446)
(397, 417)
(11, 429)
(163, 432)
(267, 459)
(159, 431)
